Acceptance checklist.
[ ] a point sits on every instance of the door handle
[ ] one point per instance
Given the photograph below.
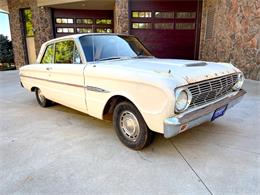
(48, 68)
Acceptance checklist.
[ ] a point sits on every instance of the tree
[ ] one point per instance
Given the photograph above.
(6, 50)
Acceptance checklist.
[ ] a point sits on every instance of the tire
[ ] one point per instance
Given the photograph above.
(130, 126)
(44, 102)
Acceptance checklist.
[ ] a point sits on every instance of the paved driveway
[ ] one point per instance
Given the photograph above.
(59, 150)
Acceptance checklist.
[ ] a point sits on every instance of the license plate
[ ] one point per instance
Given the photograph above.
(219, 112)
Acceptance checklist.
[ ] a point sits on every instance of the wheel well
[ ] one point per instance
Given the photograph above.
(33, 89)
(111, 104)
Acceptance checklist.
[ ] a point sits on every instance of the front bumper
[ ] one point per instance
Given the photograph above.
(184, 121)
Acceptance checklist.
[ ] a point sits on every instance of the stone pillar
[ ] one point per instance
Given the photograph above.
(42, 24)
(16, 29)
(121, 17)
(235, 35)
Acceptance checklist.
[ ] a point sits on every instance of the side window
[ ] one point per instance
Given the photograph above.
(77, 59)
(64, 52)
(48, 55)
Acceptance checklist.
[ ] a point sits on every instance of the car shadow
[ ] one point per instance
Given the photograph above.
(160, 145)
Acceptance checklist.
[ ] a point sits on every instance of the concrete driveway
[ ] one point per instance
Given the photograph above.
(61, 151)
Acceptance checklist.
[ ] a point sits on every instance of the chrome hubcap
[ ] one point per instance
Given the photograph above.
(41, 97)
(129, 125)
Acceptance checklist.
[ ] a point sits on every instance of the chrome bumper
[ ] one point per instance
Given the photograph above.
(184, 121)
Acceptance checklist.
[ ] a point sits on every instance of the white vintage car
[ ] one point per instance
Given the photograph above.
(112, 76)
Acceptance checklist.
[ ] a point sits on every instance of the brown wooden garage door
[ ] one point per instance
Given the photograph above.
(169, 29)
(82, 21)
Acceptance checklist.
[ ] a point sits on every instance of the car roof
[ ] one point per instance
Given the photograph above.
(75, 36)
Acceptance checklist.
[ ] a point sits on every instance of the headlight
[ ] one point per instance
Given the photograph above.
(239, 83)
(183, 99)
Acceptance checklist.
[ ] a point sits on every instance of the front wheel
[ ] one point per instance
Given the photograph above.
(130, 126)
(43, 101)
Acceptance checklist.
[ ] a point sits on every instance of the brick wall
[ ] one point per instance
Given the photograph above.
(235, 34)
(41, 22)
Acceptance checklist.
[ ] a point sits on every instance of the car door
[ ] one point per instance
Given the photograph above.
(39, 73)
(66, 76)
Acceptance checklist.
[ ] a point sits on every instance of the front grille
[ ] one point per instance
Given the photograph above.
(210, 90)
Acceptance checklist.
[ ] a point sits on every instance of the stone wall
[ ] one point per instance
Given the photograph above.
(235, 36)
(121, 18)
(3, 5)
(42, 27)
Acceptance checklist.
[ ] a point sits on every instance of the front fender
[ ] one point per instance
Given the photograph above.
(155, 104)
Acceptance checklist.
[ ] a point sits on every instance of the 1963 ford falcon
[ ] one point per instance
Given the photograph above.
(115, 75)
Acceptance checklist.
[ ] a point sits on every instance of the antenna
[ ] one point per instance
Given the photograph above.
(93, 46)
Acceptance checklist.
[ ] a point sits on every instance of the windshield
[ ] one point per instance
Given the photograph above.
(108, 47)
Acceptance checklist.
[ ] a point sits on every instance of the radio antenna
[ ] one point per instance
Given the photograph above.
(93, 46)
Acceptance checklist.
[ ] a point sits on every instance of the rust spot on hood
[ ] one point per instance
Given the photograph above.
(164, 73)
(189, 80)
(207, 76)
(235, 70)
(204, 77)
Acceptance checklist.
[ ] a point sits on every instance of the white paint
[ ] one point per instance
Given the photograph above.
(148, 83)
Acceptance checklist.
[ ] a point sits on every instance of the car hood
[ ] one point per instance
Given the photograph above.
(189, 70)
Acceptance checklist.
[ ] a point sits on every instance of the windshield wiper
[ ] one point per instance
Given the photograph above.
(110, 58)
(123, 57)
(113, 58)
(143, 56)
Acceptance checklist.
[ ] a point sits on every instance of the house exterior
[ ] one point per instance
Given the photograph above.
(223, 30)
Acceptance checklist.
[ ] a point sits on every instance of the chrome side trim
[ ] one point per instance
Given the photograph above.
(57, 82)
(89, 88)
(96, 89)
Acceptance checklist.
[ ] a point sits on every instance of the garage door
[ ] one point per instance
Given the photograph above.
(169, 29)
(82, 21)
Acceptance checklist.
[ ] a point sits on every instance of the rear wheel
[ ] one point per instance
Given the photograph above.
(130, 126)
(43, 101)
